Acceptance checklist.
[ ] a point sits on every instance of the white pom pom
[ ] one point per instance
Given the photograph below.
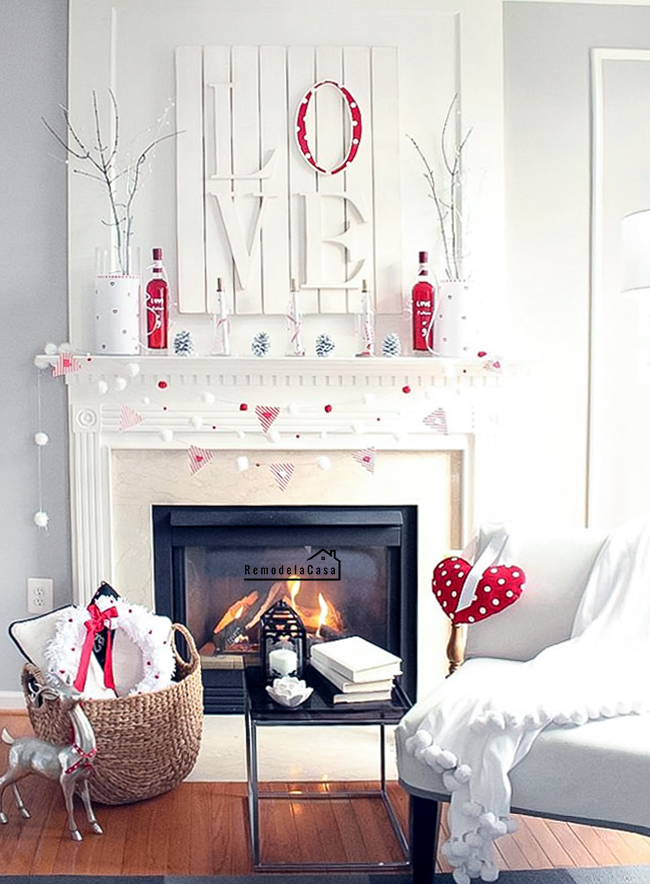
(167, 435)
(474, 839)
(460, 876)
(420, 739)
(196, 421)
(41, 439)
(50, 349)
(459, 848)
(102, 387)
(273, 436)
(472, 809)
(41, 519)
(324, 462)
(447, 759)
(474, 866)
(133, 369)
(489, 872)
(369, 398)
(463, 773)
(242, 464)
(208, 398)
(487, 819)
(450, 781)
(65, 347)
(430, 755)
(511, 824)
(146, 400)
(120, 384)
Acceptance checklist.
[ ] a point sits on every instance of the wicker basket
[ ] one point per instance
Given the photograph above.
(146, 743)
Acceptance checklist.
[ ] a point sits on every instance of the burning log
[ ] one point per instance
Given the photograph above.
(242, 616)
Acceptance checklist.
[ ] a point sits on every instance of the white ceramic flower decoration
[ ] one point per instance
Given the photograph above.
(289, 691)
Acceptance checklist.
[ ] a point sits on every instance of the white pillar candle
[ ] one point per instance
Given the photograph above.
(283, 661)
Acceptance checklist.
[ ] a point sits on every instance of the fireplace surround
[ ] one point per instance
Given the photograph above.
(208, 560)
(328, 410)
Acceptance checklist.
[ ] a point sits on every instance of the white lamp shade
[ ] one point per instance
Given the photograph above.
(635, 251)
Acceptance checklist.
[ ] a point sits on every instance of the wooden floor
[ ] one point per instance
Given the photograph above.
(202, 829)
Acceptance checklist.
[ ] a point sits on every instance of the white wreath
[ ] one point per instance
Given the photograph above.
(151, 633)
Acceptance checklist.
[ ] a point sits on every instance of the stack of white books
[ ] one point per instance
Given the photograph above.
(362, 671)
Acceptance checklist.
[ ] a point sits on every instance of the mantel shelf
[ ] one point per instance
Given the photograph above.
(305, 372)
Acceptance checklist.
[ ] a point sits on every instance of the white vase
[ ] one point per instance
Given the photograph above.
(117, 315)
(454, 327)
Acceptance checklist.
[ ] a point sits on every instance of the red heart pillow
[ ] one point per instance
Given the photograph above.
(499, 587)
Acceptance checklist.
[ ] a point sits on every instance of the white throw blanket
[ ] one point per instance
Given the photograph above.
(476, 731)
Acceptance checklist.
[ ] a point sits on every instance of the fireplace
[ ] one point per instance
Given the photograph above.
(346, 570)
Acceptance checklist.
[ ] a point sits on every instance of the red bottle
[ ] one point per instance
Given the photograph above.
(423, 303)
(156, 303)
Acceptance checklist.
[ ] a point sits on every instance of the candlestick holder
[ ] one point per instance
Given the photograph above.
(367, 322)
(294, 322)
(221, 325)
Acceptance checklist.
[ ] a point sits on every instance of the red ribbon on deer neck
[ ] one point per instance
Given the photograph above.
(98, 621)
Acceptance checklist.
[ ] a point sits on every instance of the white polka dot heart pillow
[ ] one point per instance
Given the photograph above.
(499, 587)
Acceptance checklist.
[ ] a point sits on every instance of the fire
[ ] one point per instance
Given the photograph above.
(324, 610)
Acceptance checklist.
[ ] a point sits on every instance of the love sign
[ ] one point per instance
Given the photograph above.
(499, 587)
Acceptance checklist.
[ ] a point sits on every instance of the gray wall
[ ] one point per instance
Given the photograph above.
(33, 302)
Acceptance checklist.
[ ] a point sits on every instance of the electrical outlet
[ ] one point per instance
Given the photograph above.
(40, 595)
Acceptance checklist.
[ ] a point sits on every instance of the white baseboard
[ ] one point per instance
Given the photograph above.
(12, 700)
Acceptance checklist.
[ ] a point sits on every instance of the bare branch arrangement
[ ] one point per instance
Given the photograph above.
(121, 182)
(448, 205)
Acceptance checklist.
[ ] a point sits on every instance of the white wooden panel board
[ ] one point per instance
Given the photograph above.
(218, 170)
(358, 178)
(330, 138)
(246, 161)
(387, 191)
(301, 74)
(189, 180)
(275, 132)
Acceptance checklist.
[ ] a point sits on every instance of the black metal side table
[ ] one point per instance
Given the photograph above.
(262, 711)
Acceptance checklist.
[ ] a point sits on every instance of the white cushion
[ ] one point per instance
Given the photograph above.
(556, 564)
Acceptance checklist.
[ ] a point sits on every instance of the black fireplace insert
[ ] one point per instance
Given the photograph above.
(346, 570)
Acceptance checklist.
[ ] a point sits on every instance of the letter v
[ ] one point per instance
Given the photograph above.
(241, 253)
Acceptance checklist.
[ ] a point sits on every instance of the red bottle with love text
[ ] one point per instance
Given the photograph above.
(423, 303)
(157, 305)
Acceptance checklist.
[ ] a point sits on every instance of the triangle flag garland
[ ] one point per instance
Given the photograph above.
(65, 363)
(266, 414)
(198, 458)
(437, 420)
(366, 457)
(282, 473)
(129, 418)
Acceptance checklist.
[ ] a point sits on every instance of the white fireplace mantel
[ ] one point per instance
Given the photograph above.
(324, 405)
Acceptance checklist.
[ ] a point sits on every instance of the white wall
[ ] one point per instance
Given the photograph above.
(548, 172)
(33, 297)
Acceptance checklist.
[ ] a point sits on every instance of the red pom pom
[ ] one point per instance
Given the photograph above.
(243, 406)
(162, 385)
(328, 408)
(406, 389)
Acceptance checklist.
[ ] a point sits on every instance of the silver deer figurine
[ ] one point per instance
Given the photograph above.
(69, 764)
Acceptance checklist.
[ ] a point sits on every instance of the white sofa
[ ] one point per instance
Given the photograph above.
(597, 773)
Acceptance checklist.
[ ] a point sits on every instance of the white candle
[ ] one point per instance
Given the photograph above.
(283, 661)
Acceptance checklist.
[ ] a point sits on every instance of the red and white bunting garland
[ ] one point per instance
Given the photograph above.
(65, 363)
(437, 421)
(198, 458)
(366, 457)
(129, 418)
(282, 473)
(266, 414)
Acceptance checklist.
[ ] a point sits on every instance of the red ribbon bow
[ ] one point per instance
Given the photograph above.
(98, 621)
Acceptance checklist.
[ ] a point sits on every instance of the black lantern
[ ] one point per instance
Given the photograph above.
(282, 642)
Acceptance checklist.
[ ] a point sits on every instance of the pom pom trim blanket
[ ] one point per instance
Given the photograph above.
(473, 731)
